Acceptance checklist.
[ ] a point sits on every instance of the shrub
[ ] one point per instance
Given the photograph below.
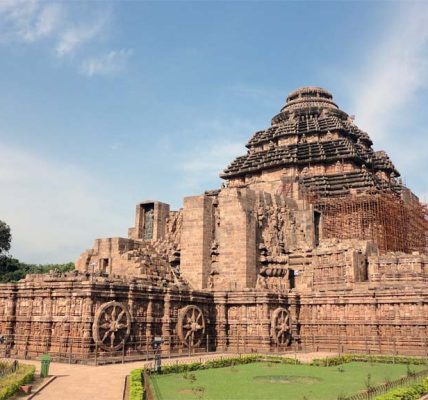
(136, 387)
(224, 362)
(10, 384)
(413, 392)
(346, 358)
(332, 361)
(368, 382)
(198, 391)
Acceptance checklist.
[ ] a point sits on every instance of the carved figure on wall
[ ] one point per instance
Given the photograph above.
(112, 326)
(191, 326)
(281, 327)
(148, 224)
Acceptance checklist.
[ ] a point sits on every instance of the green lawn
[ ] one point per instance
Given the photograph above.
(275, 381)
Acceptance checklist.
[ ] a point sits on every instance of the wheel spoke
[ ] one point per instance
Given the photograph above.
(120, 316)
(112, 325)
(105, 336)
(190, 325)
(281, 326)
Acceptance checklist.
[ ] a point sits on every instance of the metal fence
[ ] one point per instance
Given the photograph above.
(386, 387)
(153, 392)
(148, 385)
(7, 367)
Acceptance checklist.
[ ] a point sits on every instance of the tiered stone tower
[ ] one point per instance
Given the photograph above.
(312, 139)
(314, 151)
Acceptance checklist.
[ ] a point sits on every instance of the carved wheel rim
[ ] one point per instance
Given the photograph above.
(191, 326)
(112, 326)
(281, 327)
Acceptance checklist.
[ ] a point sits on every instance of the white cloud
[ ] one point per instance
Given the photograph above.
(65, 29)
(55, 210)
(211, 158)
(389, 91)
(200, 168)
(76, 36)
(221, 143)
(106, 64)
(28, 20)
(394, 71)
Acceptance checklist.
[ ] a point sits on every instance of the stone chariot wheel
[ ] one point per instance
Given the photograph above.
(281, 327)
(191, 326)
(112, 326)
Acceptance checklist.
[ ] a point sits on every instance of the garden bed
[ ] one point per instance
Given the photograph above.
(10, 382)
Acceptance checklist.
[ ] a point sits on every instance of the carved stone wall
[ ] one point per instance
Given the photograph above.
(361, 321)
(74, 314)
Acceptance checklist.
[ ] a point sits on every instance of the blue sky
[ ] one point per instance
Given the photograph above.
(106, 104)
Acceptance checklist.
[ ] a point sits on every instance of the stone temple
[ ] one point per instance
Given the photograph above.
(312, 242)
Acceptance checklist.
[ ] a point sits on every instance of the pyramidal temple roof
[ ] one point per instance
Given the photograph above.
(307, 97)
(310, 129)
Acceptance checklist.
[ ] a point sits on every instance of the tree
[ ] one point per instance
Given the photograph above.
(5, 237)
(12, 270)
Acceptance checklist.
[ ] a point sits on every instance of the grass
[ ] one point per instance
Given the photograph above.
(276, 381)
(10, 383)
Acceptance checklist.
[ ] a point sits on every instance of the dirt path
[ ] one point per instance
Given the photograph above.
(82, 382)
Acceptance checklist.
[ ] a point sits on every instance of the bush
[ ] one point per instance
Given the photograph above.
(136, 386)
(224, 362)
(12, 270)
(346, 358)
(332, 361)
(413, 392)
(10, 384)
(389, 359)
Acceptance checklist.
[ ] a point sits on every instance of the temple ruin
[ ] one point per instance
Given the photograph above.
(312, 242)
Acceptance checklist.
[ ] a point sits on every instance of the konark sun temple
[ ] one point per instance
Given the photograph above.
(311, 243)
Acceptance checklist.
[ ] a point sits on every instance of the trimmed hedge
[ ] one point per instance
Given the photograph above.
(136, 386)
(224, 362)
(347, 358)
(10, 384)
(413, 392)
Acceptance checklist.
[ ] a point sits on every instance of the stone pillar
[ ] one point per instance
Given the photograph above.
(237, 239)
(87, 319)
(220, 300)
(149, 323)
(46, 329)
(132, 340)
(265, 340)
(294, 310)
(10, 322)
(196, 238)
(28, 320)
(166, 323)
